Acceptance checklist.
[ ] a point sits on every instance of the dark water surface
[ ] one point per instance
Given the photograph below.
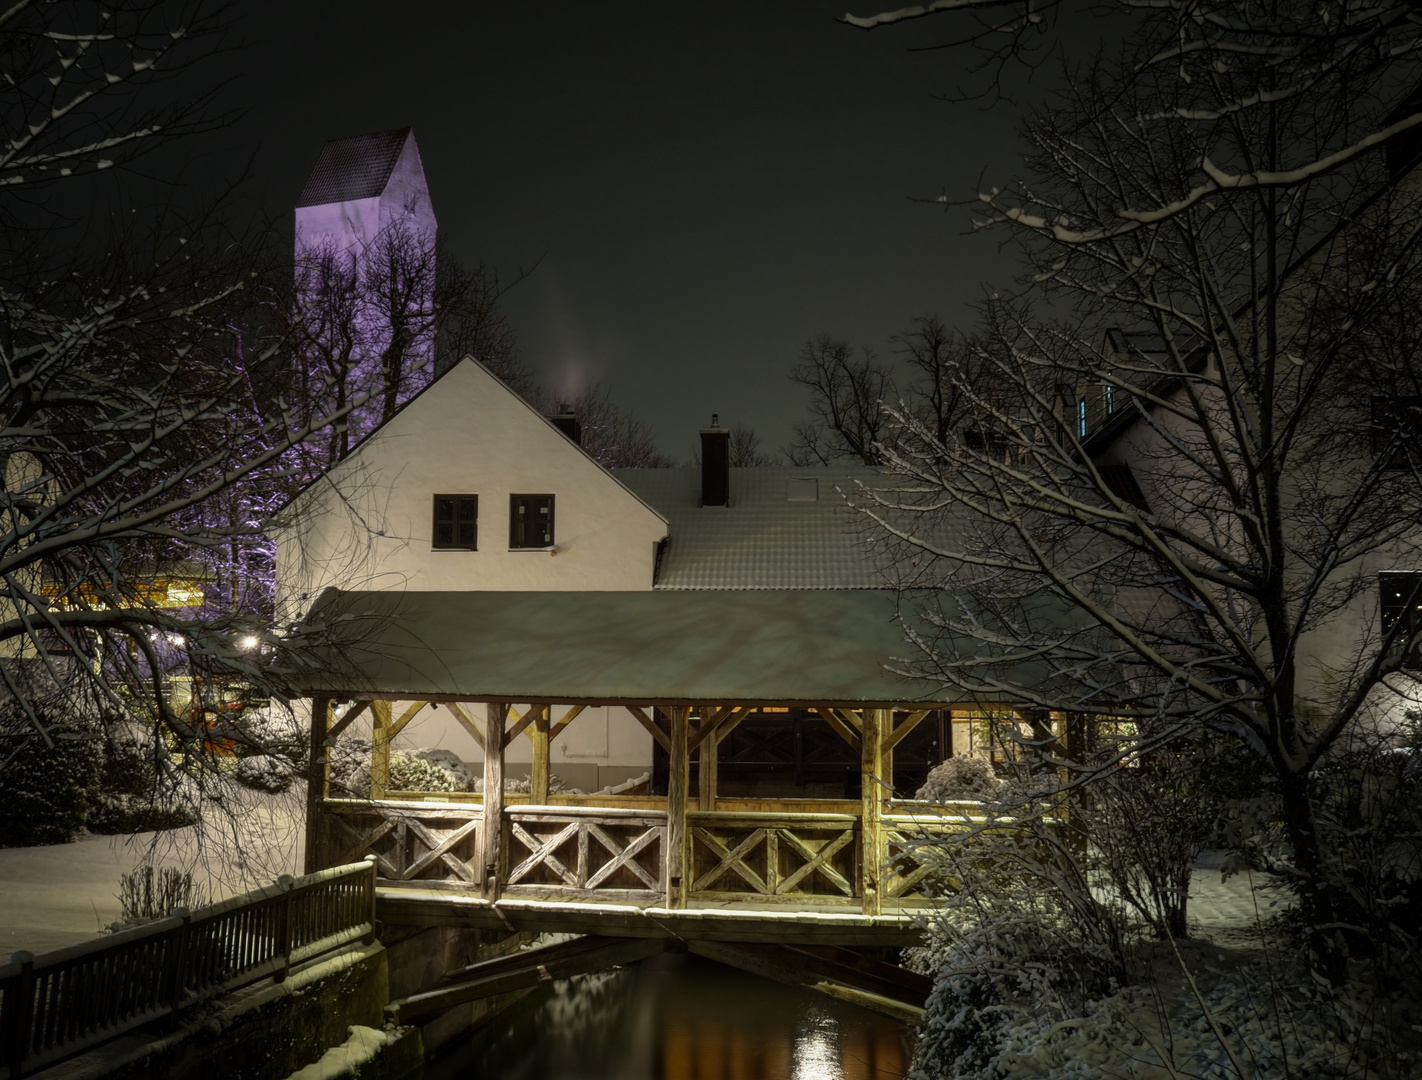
(680, 1018)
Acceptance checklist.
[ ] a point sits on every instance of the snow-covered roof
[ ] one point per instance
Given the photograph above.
(785, 528)
(354, 168)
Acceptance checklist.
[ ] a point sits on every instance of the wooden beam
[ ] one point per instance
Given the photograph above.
(730, 724)
(568, 718)
(467, 723)
(318, 771)
(647, 722)
(522, 970)
(379, 749)
(492, 833)
(871, 770)
(847, 733)
(334, 730)
(405, 717)
(520, 723)
(678, 782)
(538, 774)
(708, 758)
(897, 736)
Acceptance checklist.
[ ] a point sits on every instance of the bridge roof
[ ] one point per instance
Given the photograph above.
(787, 646)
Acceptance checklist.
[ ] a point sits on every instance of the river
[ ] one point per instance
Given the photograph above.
(680, 1018)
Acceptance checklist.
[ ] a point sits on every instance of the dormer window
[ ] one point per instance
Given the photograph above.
(530, 521)
(456, 523)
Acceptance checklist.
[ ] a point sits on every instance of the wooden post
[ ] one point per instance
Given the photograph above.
(706, 764)
(886, 757)
(538, 777)
(871, 770)
(379, 749)
(492, 828)
(318, 771)
(678, 784)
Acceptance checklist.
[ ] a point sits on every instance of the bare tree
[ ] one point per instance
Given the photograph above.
(846, 396)
(1184, 520)
(611, 434)
(745, 451)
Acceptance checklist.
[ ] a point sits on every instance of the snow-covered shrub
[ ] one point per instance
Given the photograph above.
(139, 791)
(274, 732)
(349, 768)
(409, 772)
(451, 763)
(959, 778)
(265, 772)
(524, 785)
(46, 787)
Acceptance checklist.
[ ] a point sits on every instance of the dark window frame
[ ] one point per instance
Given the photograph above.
(461, 501)
(549, 540)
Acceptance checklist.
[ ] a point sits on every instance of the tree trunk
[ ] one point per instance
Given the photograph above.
(1327, 952)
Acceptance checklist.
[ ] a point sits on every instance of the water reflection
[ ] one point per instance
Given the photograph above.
(682, 1018)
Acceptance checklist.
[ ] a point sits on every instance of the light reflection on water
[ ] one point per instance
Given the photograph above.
(681, 1018)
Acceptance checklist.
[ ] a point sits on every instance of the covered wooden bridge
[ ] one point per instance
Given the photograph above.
(690, 667)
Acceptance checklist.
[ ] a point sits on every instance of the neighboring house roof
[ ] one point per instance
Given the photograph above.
(785, 528)
(354, 168)
(805, 646)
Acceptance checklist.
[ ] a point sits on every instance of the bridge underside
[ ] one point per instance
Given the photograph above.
(744, 922)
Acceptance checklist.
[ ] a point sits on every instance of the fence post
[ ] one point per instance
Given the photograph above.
(285, 881)
(178, 965)
(20, 1012)
(370, 860)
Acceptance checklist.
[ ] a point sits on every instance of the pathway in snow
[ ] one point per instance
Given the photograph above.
(58, 895)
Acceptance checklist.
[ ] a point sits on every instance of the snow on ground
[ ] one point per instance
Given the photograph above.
(58, 895)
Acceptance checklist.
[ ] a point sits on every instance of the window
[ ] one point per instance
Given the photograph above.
(1081, 418)
(1401, 595)
(1108, 397)
(1396, 425)
(530, 521)
(456, 522)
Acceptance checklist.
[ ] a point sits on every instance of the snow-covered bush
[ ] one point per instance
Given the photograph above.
(270, 732)
(959, 778)
(524, 785)
(265, 772)
(451, 763)
(45, 788)
(350, 768)
(410, 772)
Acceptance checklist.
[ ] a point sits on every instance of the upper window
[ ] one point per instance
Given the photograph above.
(1401, 594)
(1396, 427)
(530, 521)
(456, 522)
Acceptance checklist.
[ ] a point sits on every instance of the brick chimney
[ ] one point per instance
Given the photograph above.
(566, 422)
(715, 464)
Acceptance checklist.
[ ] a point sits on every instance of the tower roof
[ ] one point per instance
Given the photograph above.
(354, 168)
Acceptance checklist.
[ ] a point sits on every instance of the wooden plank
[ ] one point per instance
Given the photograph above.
(440, 850)
(519, 723)
(707, 760)
(359, 844)
(406, 716)
(871, 768)
(541, 853)
(646, 721)
(910, 722)
(724, 729)
(538, 967)
(318, 773)
(334, 730)
(467, 723)
(538, 771)
(711, 720)
(568, 717)
(379, 749)
(818, 860)
(492, 835)
(731, 859)
(678, 783)
(845, 732)
(623, 856)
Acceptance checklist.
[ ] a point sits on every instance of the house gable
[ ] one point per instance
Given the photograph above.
(370, 519)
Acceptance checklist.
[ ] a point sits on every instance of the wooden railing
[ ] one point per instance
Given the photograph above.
(61, 1003)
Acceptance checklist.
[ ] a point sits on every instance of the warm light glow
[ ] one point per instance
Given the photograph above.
(817, 1049)
(251, 641)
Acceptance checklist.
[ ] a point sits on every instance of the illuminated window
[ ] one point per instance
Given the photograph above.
(1400, 592)
(530, 521)
(456, 522)
(1081, 418)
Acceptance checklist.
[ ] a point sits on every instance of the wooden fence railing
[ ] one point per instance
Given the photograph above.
(61, 1003)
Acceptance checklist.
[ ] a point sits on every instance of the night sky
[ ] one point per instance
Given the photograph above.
(708, 184)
